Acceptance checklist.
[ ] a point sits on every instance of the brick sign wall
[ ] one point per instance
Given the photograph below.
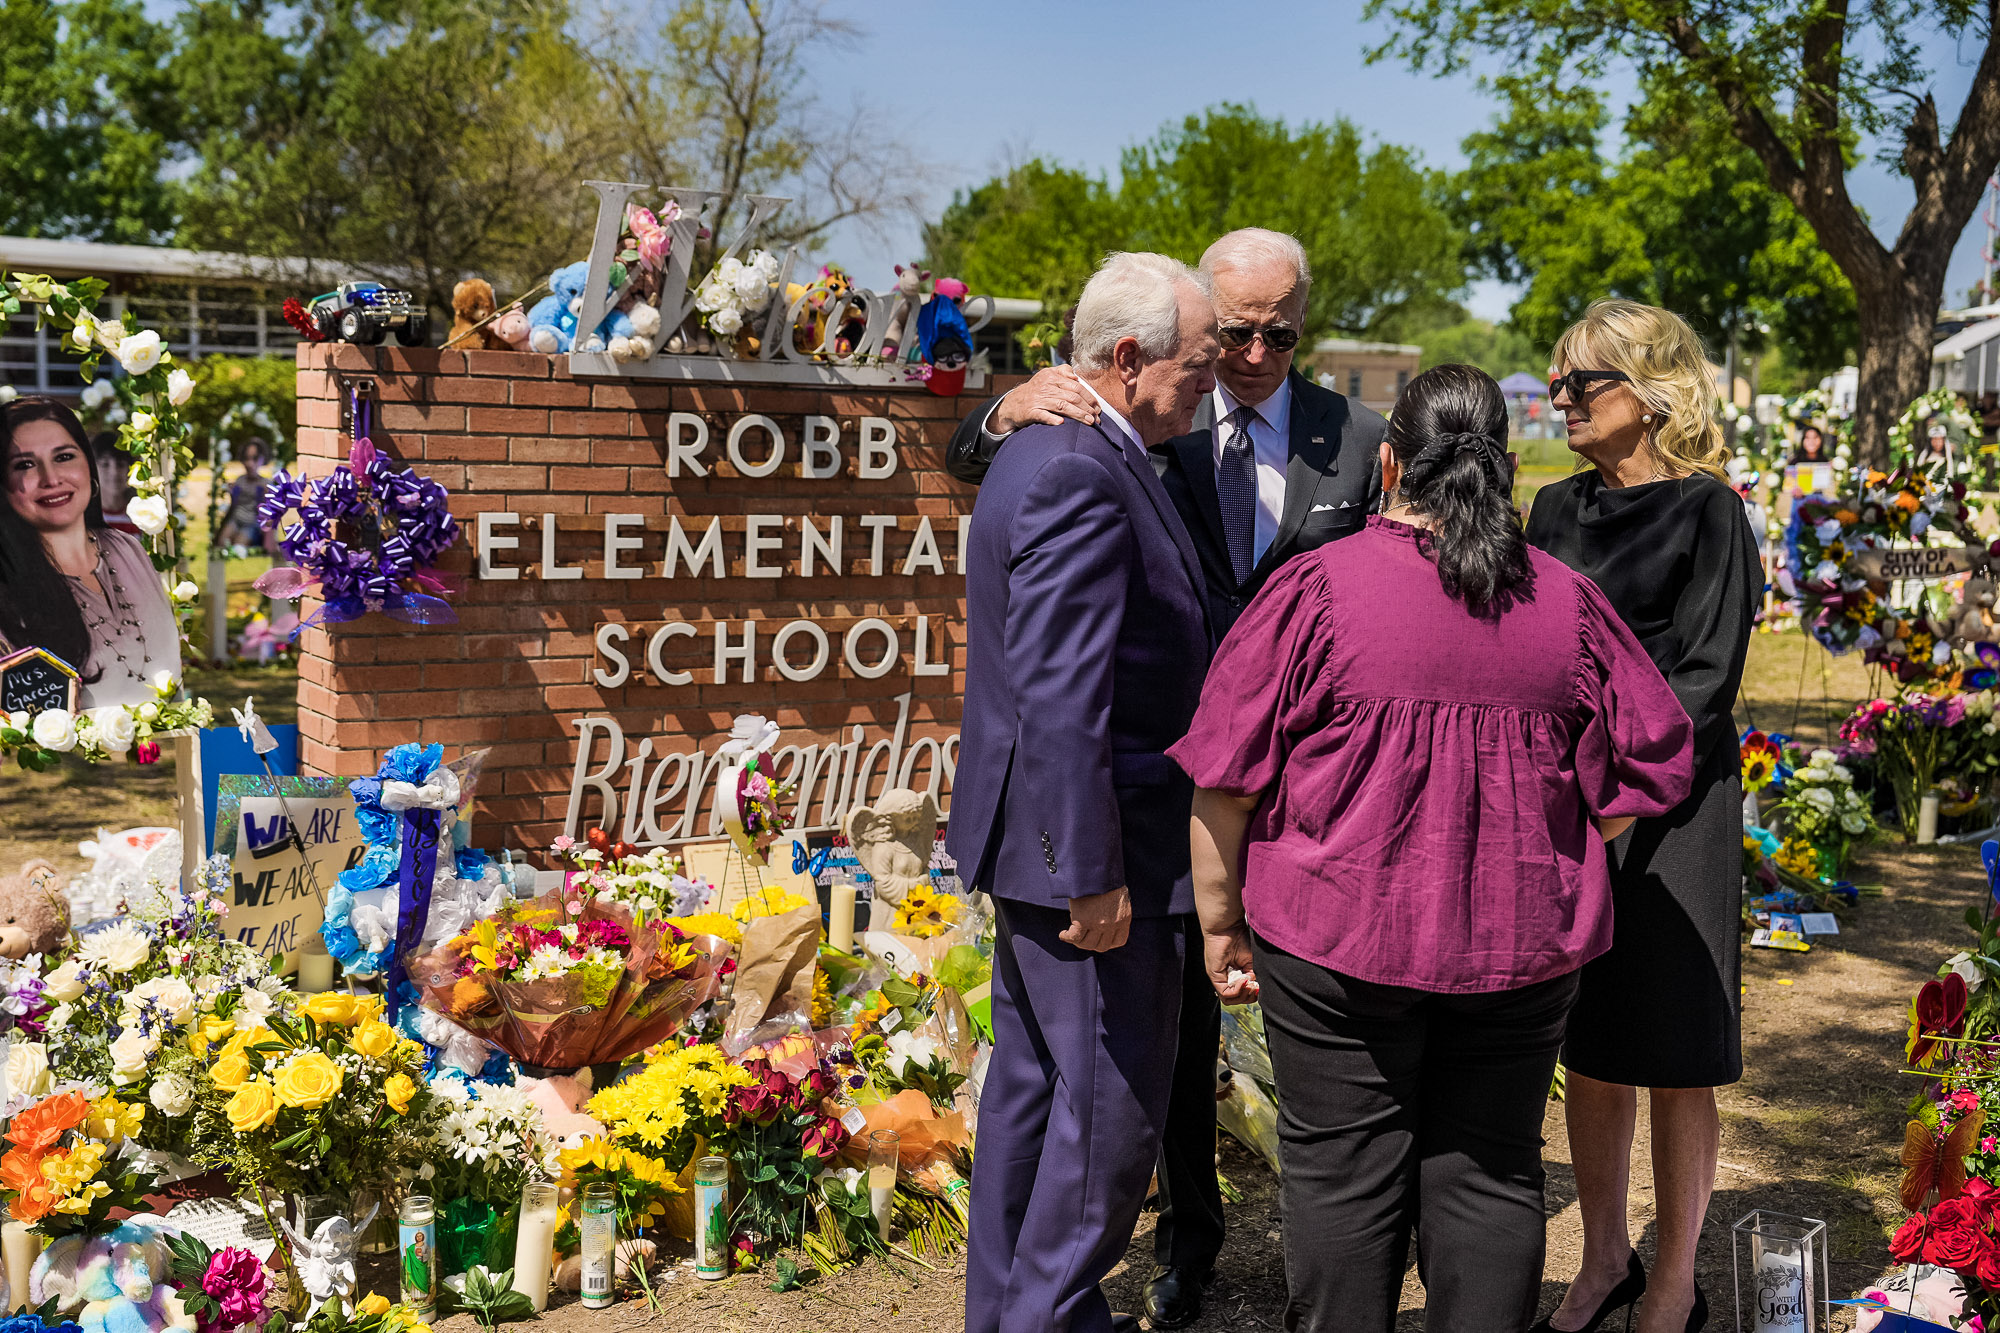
(639, 563)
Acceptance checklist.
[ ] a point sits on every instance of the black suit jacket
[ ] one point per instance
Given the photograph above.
(1332, 483)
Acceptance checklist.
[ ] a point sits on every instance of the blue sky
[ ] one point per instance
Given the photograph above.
(972, 87)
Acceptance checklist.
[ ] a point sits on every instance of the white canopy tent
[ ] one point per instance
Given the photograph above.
(1968, 362)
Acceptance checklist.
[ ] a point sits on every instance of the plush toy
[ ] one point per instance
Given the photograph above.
(34, 914)
(1976, 621)
(511, 329)
(472, 302)
(552, 323)
(112, 1283)
(912, 286)
(943, 340)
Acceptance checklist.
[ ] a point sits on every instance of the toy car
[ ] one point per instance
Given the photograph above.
(362, 312)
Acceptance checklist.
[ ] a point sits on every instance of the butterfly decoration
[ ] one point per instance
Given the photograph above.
(1937, 1014)
(811, 868)
(1932, 1163)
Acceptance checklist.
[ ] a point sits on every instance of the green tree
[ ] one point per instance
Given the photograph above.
(1383, 251)
(86, 118)
(1498, 349)
(1799, 84)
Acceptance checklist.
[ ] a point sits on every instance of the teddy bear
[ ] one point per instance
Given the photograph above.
(472, 303)
(912, 286)
(1975, 621)
(510, 331)
(114, 1282)
(552, 323)
(34, 914)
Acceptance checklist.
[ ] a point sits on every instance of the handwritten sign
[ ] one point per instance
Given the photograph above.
(275, 897)
(35, 680)
(1918, 562)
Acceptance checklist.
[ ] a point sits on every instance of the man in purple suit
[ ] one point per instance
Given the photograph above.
(1086, 642)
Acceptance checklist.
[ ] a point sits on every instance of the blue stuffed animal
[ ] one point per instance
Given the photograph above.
(112, 1283)
(552, 323)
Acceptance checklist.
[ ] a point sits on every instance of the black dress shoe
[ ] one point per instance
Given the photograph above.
(1173, 1296)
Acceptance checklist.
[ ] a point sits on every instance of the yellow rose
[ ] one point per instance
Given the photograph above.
(374, 1039)
(231, 1072)
(308, 1079)
(368, 1006)
(206, 1032)
(397, 1091)
(374, 1303)
(331, 1006)
(253, 1107)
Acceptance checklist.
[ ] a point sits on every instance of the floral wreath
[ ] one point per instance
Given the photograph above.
(1838, 605)
(157, 436)
(367, 538)
(1938, 402)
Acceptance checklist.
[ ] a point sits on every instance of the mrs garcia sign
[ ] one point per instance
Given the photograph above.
(778, 359)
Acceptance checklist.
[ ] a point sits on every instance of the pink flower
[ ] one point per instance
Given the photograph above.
(1989, 1144)
(562, 844)
(146, 752)
(235, 1279)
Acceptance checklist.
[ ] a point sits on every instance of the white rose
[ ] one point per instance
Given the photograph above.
(83, 334)
(173, 997)
(750, 286)
(725, 321)
(163, 683)
(144, 422)
(113, 727)
(65, 983)
(172, 1094)
(59, 1017)
(18, 720)
(186, 591)
(180, 387)
(1821, 797)
(1827, 529)
(139, 352)
(148, 513)
(130, 1055)
(254, 1005)
(28, 1069)
(1961, 963)
(55, 730)
(149, 711)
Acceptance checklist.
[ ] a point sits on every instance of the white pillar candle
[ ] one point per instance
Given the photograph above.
(534, 1243)
(315, 971)
(840, 916)
(1927, 815)
(19, 1248)
(1781, 1292)
(881, 1191)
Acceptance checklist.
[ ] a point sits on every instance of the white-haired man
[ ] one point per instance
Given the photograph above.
(1083, 610)
(1275, 465)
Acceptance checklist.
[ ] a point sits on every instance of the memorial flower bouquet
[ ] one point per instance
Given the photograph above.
(643, 1185)
(925, 913)
(62, 1172)
(329, 1100)
(563, 981)
(735, 290)
(780, 1136)
(492, 1140)
(1820, 811)
(649, 883)
(677, 1102)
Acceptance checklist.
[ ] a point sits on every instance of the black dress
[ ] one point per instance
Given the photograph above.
(1678, 561)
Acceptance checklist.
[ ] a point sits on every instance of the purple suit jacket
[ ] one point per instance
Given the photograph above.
(1086, 643)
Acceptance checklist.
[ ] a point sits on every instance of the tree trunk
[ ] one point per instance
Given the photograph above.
(1895, 323)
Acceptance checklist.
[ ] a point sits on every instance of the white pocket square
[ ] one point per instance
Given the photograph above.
(1328, 509)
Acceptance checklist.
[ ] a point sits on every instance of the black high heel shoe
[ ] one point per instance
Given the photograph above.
(1698, 1316)
(1626, 1294)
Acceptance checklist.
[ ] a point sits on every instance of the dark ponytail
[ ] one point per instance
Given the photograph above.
(1449, 432)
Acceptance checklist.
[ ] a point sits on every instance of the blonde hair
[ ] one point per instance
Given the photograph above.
(1670, 372)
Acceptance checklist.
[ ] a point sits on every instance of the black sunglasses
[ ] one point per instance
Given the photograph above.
(1578, 382)
(1278, 338)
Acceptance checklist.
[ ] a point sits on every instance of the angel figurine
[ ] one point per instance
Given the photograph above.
(325, 1262)
(892, 840)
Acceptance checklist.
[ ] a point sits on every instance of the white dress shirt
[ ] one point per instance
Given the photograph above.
(1117, 418)
(1271, 440)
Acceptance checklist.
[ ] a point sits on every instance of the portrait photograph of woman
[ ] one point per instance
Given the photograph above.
(69, 583)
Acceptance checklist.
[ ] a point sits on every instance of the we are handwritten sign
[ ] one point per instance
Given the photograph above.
(275, 896)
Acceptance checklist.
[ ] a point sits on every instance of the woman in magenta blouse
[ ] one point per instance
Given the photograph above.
(1410, 751)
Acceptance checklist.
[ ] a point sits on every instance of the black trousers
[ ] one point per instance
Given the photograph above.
(1402, 1109)
(1189, 1231)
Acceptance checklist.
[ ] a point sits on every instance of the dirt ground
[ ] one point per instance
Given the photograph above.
(1814, 1128)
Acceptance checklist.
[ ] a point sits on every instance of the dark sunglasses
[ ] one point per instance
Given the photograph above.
(1578, 382)
(1236, 337)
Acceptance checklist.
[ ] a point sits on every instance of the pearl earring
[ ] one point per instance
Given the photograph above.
(1647, 418)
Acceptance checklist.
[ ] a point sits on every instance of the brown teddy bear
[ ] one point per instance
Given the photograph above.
(34, 915)
(471, 302)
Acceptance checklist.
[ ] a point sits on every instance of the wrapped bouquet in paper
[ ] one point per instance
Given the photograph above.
(562, 982)
(748, 794)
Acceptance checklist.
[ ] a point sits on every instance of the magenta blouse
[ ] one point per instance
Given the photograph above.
(1428, 775)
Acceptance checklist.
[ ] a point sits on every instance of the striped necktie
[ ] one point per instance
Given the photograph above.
(1236, 488)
